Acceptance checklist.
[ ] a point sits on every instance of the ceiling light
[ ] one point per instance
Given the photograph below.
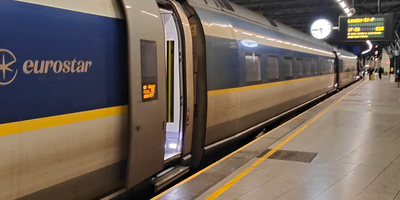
(370, 47)
(343, 4)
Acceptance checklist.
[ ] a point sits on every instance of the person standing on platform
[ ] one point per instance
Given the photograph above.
(370, 71)
(380, 72)
(364, 72)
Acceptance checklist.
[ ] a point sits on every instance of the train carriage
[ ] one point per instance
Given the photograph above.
(105, 96)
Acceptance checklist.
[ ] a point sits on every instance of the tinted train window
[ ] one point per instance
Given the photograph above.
(322, 66)
(326, 66)
(307, 68)
(273, 67)
(148, 57)
(331, 66)
(314, 65)
(287, 67)
(253, 67)
(299, 67)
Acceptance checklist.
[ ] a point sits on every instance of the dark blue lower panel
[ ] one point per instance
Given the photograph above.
(33, 33)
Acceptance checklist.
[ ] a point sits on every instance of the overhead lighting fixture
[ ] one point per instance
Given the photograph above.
(343, 4)
(369, 47)
(346, 9)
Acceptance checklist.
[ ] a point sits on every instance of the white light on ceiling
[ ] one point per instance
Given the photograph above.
(345, 8)
(343, 4)
(369, 49)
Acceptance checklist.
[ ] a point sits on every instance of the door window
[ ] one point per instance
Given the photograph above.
(148, 55)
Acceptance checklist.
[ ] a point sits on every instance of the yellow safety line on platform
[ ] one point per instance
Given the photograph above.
(255, 164)
(222, 159)
(46, 122)
(226, 157)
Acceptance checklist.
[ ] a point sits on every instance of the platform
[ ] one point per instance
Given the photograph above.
(347, 147)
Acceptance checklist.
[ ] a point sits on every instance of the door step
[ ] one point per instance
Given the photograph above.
(166, 178)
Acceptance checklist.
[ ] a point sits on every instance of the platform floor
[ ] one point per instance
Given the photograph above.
(356, 138)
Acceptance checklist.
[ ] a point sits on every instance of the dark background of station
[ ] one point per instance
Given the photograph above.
(300, 14)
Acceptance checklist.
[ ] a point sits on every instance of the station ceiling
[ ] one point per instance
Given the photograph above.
(300, 14)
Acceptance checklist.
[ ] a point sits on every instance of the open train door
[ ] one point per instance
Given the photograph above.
(147, 109)
(180, 87)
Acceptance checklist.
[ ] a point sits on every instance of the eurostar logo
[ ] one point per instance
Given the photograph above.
(8, 72)
(7, 59)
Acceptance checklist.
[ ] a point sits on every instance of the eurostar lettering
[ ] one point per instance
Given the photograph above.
(58, 66)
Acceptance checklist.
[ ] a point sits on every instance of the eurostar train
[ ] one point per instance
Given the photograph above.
(103, 96)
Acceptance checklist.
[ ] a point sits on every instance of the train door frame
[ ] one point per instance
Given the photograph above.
(337, 73)
(147, 109)
(200, 84)
(186, 76)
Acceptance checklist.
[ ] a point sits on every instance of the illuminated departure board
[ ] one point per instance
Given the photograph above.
(376, 27)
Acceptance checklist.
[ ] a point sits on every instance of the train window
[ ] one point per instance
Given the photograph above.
(331, 66)
(253, 67)
(307, 68)
(341, 66)
(273, 67)
(299, 67)
(288, 67)
(227, 5)
(322, 66)
(148, 56)
(314, 65)
(327, 66)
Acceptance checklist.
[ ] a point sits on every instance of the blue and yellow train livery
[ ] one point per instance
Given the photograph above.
(106, 96)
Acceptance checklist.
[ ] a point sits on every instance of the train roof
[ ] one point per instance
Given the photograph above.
(343, 52)
(246, 14)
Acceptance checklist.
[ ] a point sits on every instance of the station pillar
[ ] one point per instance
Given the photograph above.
(397, 65)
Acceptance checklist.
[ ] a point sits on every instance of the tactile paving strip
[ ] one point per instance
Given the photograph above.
(297, 156)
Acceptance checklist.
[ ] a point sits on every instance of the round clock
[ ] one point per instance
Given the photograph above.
(321, 29)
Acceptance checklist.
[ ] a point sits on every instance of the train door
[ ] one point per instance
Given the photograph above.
(179, 80)
(147, 109)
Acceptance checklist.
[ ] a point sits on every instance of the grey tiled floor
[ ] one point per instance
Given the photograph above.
(358, 146)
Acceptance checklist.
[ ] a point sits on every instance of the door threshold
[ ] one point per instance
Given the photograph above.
(172, 158)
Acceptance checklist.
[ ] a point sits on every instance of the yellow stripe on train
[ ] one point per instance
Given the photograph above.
(47, 122)
(259, 86)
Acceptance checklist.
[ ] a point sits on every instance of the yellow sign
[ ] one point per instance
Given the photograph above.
(361, 20)
(149, 91)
